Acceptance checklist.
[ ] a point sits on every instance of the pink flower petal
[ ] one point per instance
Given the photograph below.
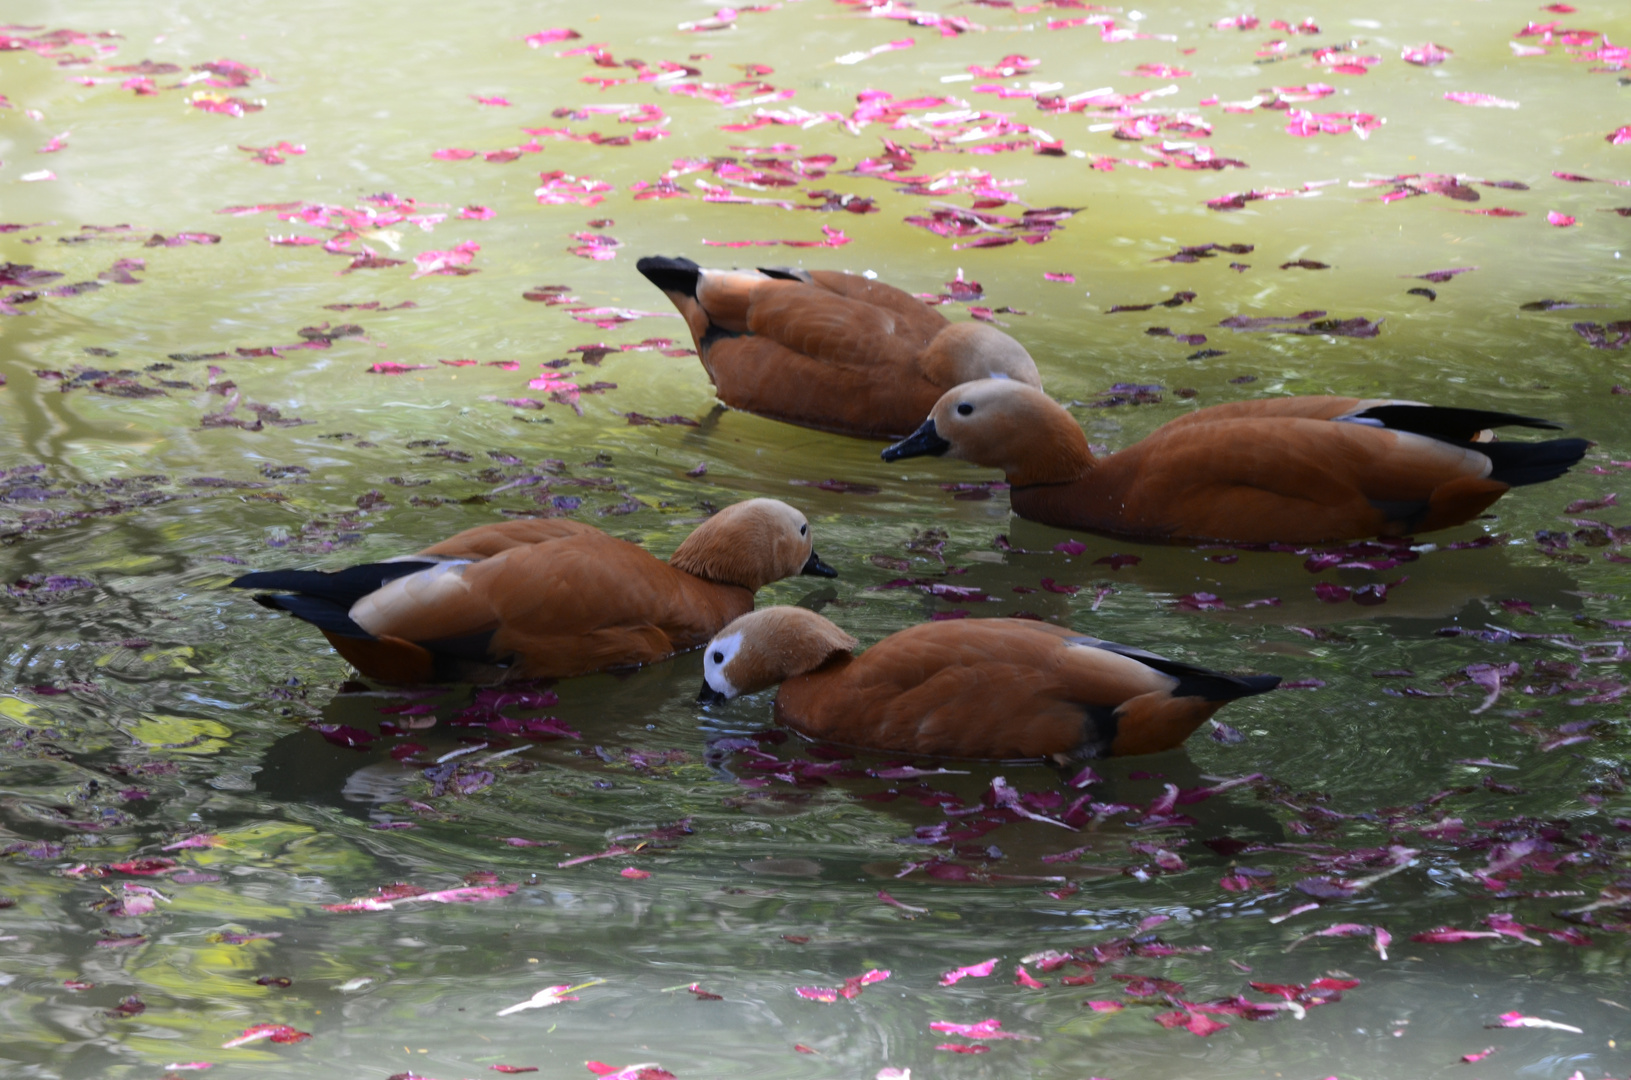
(1425, 55)
(980, 970)
(1026, 979)
(278, 1033)
(1481, 100)
(1516, 1019)
(1560, 220)
(545, 37)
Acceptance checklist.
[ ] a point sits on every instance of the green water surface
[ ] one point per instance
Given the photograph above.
(143, 702)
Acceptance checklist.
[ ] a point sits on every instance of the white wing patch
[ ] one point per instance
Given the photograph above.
(410, 592)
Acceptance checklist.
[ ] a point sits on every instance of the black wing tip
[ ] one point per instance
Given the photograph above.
(784, 273)
(1258, 684)
(1193, 680)
(1448, 421)
(327, 615)
(340, 587)
(1216, 686)
(677, 275)
(1518, 464)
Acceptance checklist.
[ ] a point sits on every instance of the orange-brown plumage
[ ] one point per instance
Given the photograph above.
(829, 350)
(979, 688)
(545, 598)
(1291, 470)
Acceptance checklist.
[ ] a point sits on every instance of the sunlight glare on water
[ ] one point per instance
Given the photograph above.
(193, 386)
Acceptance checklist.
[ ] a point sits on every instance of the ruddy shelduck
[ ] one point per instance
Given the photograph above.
(995, 689)
(829, 350)
(544, 598)
(1294, 470)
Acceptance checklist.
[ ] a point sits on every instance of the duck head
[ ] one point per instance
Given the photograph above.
(1002, 424)
(964, 352)
(766, 647)
(751, 544)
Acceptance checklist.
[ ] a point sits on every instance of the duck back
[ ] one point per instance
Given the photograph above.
(989, 689)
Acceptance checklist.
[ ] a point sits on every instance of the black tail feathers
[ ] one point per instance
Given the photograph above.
(670, 275)
(1447, 423)
(1518, 463)
(325, 599)
(341, 586)
(1193, 681)
(327, 615)
(1515, 464)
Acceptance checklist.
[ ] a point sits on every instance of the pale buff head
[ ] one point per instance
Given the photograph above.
(766, 647)
(963, 352)
(1005, 425)
(751, 544)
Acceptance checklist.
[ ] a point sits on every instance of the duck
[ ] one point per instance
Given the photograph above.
(543, 598)
(829, 350)
(1295, 470)
(989, 689)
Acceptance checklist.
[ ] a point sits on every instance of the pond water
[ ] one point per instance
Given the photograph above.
(205, 388)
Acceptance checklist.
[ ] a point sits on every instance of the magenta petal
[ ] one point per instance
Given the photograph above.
(1425, 55)
(544, 37)
(1486, 101)
(344, 735)
(976, 971)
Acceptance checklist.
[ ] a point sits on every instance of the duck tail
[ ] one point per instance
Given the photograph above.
(1516, 464)
(1446, 422)
(1193, 681)
(671, 275)
(1215, 685)
(322, 598)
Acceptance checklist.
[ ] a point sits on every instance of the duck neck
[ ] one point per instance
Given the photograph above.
(716, 572)
(1056, 452)
(719, 554)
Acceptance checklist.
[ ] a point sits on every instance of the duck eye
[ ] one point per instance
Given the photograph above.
(804, 530)
(965, 409)
(719, 657)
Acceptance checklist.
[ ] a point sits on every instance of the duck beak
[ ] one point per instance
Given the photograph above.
(925, 440)
(709, 696)
(816, 568)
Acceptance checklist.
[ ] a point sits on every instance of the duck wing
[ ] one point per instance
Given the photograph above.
(485, 541)
(1436, 421)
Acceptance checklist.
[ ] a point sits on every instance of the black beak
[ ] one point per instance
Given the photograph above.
(709, 696)
(925, 440)
(816, 568)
